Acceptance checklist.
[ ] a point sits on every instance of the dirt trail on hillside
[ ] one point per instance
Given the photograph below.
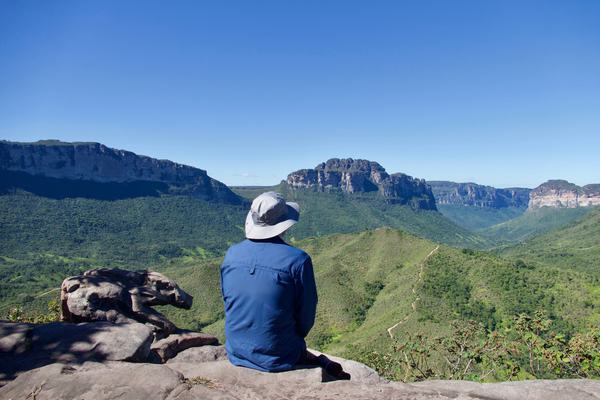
(413, 305)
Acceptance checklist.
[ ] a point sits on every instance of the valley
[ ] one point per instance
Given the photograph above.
(396, 258)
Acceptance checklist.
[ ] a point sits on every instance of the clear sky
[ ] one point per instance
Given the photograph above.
(505, 93)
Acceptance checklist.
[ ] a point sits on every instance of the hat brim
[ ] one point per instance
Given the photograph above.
(254, 231)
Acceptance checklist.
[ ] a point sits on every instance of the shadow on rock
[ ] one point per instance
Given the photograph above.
(27, 346)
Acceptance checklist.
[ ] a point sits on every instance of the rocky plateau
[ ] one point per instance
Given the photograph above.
(472, 194)
(564, 194)
(362, 176)
(89, 165)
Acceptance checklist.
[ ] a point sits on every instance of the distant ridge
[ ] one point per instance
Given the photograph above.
(560, 193)
(363, 176)
(473, 194)
(87, 169)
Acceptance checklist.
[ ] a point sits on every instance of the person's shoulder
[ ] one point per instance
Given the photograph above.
(301, 261)
(299, 255)
(235, 249)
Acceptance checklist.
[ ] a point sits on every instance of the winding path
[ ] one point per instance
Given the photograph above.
(413, 305)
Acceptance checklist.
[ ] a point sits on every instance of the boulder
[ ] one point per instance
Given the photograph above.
(118, 295)
(66, 342)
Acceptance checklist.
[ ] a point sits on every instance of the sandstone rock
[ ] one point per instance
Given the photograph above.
(563, 194)
(170, 346)
(221, 380)
(472, 194)
(92, 380)
(356, 176)
(94, 162)
(200, 355)
(65, 342)
(560, 389)
(118, 295)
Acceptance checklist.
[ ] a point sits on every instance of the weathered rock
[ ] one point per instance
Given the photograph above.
(66, 342)
(200, 354)
(359, 176)
(92, 380)
(221, 380)
(97, 168)
(472, 194)
(118, 295)
(560, 389)
(15, 338)
(563, 194)
(170, 346)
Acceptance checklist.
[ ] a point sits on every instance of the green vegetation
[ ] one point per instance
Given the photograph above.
(528, 348)
(479, 218)
(337, 212)
(397, 300)
(532, 223)
(366, 283)
(131, 232)
(576, 246)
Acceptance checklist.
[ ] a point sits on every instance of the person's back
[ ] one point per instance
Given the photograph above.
(268, 289)
(270, 299)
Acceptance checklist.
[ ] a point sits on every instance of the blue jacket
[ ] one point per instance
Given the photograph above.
(270, 303)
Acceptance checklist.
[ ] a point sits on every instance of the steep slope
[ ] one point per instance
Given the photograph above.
(89, 201)
(347, 175)
(575, 246)
(59, 169)
(563, 194)
(472, 194)
(69, 206)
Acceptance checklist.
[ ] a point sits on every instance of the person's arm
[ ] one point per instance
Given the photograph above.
(306, 295)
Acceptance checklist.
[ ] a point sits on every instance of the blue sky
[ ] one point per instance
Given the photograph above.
(505, 93)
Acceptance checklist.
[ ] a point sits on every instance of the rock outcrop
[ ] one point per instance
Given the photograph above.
(472, 194)
(93, 167)
(363, 176)
(35, 345)
(563, 194)
(213, 377)
(117, 295)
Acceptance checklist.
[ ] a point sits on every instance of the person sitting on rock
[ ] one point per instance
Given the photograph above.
(270, 293)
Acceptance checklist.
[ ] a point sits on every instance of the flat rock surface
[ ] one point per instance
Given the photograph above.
(67, 342)
(93, 380)
(196, 374)
(200, 354)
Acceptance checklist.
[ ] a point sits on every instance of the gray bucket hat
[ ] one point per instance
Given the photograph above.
(270, 216)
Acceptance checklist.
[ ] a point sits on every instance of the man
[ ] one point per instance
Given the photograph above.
(269, 293)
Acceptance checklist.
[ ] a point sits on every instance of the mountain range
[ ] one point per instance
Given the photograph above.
(395, 256)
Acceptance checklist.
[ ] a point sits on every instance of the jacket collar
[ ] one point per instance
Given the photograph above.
(275, 239)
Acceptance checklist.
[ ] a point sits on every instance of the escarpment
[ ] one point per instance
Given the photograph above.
(363, 176)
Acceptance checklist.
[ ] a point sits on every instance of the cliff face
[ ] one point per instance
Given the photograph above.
(94, 162)
(363, 176)
(563, 194)
(472, 194)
